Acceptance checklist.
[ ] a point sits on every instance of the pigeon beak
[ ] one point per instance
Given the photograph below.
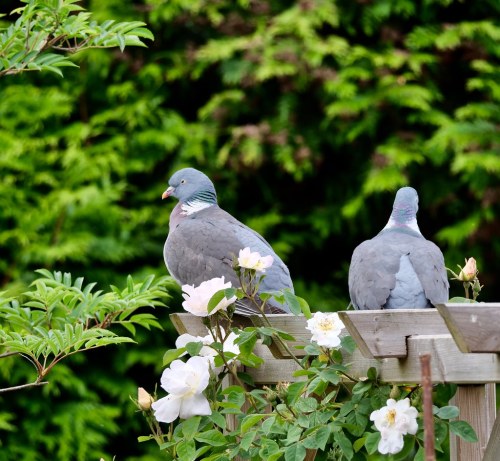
(167, 193)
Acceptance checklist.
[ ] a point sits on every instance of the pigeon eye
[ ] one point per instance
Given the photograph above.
(183, 181)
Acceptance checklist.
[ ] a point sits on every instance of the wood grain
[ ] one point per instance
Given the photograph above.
(475, 327)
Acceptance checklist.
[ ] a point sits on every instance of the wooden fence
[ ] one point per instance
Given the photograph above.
(463, 341)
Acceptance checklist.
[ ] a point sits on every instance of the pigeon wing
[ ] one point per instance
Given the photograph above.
(428, 262)
(372, 273)
(204, 246)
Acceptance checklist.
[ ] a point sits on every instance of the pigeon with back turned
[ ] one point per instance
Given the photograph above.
(203, 241)
(398, 268)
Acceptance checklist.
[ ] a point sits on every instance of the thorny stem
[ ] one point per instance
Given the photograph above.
(261, 309)
(466, 287)
(231, 369)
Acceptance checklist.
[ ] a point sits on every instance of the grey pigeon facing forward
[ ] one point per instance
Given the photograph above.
(398, 268)
(203, 241)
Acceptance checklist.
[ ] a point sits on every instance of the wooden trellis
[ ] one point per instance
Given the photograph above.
(463, 341)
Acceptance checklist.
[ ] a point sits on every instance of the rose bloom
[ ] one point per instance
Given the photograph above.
(393, 421)
(469, 271)
(325, 328)
(196, 299)
(253, 260)
(185, 383)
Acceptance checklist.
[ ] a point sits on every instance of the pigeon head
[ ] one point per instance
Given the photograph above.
(404, 210)
(191, 186)
(406, 201)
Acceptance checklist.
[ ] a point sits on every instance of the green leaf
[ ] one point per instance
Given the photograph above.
(212, 437)
(247, 439)
(226, 293)
(246, 341)
(194, 348)
(447, 412)
(348, 344)
(420, 456)
(331, 375)
(318, 438)
(464, 430)
(372, 373)
(190, 427)
(306, 404)
(344, 444)
(371, 442)
(294, 391)
(295, 452)
(186, 450)
(218, 419)
(359, 444)
(250, 421)
(361, 387)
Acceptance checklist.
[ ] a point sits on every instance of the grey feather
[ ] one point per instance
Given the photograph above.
(204, 240)
(398, 268)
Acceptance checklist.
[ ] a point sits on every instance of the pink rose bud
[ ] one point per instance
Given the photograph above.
(144, 399)
(469, 271)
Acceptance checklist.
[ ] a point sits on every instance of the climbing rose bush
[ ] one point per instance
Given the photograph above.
(320, 411)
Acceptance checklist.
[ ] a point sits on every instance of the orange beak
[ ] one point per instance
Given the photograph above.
(167, 193)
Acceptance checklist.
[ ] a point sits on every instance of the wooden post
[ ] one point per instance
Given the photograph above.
(477, 407)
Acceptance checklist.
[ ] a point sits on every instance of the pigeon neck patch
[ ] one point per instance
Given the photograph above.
(193, 206)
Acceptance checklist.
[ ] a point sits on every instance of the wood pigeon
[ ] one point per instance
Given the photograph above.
(398, 268)
(204, 240)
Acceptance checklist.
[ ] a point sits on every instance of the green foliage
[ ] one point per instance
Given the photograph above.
(61, 317)
(58, 319)
(47, 26)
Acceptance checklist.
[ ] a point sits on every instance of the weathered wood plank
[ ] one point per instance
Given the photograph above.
(493, 447)
(477, 407)
(475, 327)
(383, 333)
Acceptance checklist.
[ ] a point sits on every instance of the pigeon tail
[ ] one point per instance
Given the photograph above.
(408, 292)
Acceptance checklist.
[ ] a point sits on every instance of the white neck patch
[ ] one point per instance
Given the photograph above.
(412, 224)
(194, 206)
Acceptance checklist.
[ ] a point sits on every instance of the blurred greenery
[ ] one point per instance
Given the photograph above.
(308, 115)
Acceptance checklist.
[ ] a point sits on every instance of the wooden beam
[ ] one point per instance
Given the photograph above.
(383, 333)
(449, 364)
(475, 327)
